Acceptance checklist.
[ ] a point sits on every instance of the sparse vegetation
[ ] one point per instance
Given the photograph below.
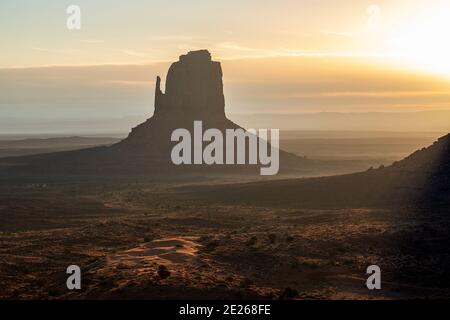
(288, 294)
(163, 272)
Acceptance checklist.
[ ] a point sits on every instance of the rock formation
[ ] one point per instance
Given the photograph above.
(194, 91)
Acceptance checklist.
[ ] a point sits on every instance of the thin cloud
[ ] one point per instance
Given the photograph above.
(40, 49)
(234, 46)
(135, 53)
(130, 83)
(345, 34)
(92, 41)
(387, 94)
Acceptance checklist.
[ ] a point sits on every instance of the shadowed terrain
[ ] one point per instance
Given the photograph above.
(139, 228)
(420, 179)
(288, 239)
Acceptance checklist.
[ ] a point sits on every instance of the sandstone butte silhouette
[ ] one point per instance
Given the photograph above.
(194, 91)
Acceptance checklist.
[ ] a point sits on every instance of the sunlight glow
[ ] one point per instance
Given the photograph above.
(424, 40)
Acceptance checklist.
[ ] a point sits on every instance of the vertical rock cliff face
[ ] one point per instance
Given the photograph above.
(194, 89)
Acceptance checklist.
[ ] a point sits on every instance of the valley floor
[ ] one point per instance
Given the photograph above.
(147, 242)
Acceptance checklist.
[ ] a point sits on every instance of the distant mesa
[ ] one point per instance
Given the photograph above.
(193, 91)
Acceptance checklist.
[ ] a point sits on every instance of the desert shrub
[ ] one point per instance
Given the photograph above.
(251, 241)
(288, 294)
(289, 238)
(163, 272)
(245, 283)
(211, 245)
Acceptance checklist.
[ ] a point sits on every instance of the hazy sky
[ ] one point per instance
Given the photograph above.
(280, 56)
(137, 31)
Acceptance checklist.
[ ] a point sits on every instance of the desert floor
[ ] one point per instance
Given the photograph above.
(149, 241)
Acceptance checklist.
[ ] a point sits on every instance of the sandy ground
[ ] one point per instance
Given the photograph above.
(148, 242)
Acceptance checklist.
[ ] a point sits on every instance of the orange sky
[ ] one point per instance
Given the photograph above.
(410, 32)
(283, 56)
